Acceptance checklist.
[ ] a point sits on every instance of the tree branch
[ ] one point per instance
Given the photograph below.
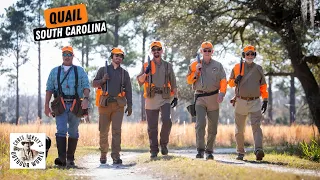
(279, 74)
(312, 59)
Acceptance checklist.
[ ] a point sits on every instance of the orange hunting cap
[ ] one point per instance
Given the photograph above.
(249, 48)
(206, 44)
(156, 43)
(117, 51)
(67, 48)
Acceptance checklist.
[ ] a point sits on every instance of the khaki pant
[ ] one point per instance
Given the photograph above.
(244, 108)
(213, 117)
(152, 119)
(107, 115)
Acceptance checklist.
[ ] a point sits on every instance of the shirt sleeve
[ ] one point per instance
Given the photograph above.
(223, 81)
(263, 86)
(84, 79)
(191, 76)
(231, 79)
(173, 81)
(128, 89)
(50, 81)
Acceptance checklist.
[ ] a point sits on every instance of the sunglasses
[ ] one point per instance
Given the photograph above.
(156, 49)
(249, 54)
(207, 50)
(67, 55)
(119, 55)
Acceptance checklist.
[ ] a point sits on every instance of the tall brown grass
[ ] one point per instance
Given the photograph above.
(135, 134)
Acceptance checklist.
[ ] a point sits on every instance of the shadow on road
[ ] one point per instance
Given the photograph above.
(113, 166)
(267, 162)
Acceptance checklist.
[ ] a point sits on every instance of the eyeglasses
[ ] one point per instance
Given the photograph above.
(67, 54)
(207, 50)
(249, 54)
(156, 49)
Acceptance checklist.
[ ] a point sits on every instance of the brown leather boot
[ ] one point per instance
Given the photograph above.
(103, 158)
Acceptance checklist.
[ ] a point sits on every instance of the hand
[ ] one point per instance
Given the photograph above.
(220, 97)
(238, 79)
(128, 111)
(148, 69)
(105, 78)
(47, 111)
(85, 103)
(264, 106)
(174, 102)
(198, 67)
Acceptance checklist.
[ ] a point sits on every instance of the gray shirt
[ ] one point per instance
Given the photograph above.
(115, 82)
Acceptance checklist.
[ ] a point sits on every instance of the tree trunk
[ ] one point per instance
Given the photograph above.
(292, 101)
(144, 37)
(87, 52)
(17, 90)
(303, 73)
(39, 83)
(39, 69)
(270, 99)
(82, 51)
(116, 30)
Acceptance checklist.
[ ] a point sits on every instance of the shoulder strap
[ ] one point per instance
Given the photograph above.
(122, 81)
(246, 77)
(166, 75)
(76, 78)
(58, 81)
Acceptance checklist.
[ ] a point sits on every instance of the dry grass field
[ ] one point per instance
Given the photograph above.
(135, 134)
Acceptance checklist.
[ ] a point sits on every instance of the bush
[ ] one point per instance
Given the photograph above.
(311, 151)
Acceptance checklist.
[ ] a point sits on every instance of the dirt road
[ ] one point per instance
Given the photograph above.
(92, 169)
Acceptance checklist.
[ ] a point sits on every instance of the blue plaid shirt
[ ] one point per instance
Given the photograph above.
(68, 85)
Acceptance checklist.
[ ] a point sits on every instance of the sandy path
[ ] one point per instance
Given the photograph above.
(90, 167)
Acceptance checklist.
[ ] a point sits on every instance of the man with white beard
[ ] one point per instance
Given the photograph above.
(250, 85)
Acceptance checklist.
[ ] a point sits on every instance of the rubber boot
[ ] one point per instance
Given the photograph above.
(72, 146)
(61, 146)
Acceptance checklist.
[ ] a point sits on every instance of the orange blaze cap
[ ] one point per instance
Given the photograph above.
(117, 51)
(156, 43)
(67, 48)
(206, 45)
(249, 48)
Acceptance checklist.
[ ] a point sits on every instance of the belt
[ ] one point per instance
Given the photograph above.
(111, 99)
(248, 98)
(202, 92)
(158, 90)
(69, 97)
(68, 100)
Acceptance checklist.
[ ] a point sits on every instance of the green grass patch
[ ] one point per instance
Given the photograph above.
(285, 159)
(173, 167)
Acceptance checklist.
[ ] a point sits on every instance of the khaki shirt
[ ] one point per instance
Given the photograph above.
(250, 87)
(212, 74)
(158, 79)
(115, 82)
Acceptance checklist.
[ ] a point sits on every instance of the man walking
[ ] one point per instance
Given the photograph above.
(208, 79)
(160, 87)
(117, 92)
(250, 84)
(68, 83)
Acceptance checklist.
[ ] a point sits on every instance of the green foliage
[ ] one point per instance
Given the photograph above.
(311, 151)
